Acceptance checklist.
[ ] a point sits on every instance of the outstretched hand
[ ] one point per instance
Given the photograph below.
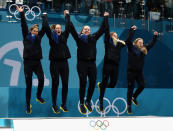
(134, 27)
(44, 15)
(156, 33)
(106, 14)
(66, 12)
(20, 8)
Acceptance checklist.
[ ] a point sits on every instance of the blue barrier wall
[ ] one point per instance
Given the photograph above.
(155, 100)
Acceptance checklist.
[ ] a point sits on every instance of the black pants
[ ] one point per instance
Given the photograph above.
(59, 68)
(86, 68)
(31, 66)
(110, 70)
(133, 76)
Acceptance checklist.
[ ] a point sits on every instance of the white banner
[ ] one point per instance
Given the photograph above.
(19, 2)
(154, 15)
(95, 124)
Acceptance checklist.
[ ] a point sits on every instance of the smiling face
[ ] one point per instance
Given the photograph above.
(86, 30)
(140, 43)
(34, 31)
(58, 29)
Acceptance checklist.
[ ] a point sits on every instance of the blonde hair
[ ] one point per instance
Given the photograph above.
(115, 40)
(82, 30)
(112, 33)
(143, 49)
(34, 26)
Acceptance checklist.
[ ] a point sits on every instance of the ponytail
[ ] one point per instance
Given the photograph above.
(115, 40)
(52, 27)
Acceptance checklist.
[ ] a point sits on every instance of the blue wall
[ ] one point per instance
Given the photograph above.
(155, 100)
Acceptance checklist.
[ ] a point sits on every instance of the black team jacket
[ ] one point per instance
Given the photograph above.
(58, 44)
(86, 46)
(112, 52)
(32, 47)
(136, 58)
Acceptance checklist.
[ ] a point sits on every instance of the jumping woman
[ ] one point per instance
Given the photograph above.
(86, 57)
(32, 54)
(58, 56)
(136, 58)
(113, 48)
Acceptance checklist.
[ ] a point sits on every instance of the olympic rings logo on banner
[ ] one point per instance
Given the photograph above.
(27, 13)
(99, 124)
(107, 108)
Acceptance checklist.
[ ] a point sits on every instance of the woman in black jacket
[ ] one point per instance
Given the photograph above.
(32, 54)
(136, 56)
(113, 48)
(86, 66)
(58, 56)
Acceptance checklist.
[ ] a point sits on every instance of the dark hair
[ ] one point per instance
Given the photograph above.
(52, 27)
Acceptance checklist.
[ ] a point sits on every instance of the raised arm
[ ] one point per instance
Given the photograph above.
(153, 41)
(23, 22)
(131, 33)
(47, 27)
(67, 25)
(130, 36)
(73, 32)
(43, 28)
(107, 31)
(102, 27)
